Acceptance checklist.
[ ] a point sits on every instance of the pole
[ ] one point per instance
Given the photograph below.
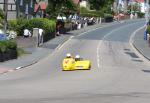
(5, 13)
(118, 9)
(147, 11)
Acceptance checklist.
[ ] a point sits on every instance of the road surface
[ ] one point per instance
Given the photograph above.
(118, 73)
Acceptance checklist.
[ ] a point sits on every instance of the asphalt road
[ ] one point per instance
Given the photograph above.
(118, 74)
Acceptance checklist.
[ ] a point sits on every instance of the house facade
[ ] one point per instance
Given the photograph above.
(11, 8)
(40, 9)
(25, 8)
(84, 3)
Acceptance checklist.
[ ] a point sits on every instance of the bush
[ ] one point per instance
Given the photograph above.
(148, 29)
(19, 25)
(108, 17)
(45, 24)
(48, 26)
(89, 15)
(86, 13)
(140, 14)
(7, 44)
(8, 50)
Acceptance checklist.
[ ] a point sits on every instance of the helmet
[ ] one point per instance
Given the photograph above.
(68, 55)
(77, 56)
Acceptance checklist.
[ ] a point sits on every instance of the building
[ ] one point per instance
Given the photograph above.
(11, 8)
(25, 8)
(76, 1)
(40, 8)
(123, 4)
(84, 3)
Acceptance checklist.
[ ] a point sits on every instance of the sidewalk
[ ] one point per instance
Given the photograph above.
(37, 53)
(141, 45)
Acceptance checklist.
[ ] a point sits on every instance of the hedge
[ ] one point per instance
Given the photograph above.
(90, 13)
(108, 17)
(140, 14)
(49, 26)
(148, 29)
(8, 50)
(18, 25)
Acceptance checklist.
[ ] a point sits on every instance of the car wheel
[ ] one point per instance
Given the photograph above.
(89, 66)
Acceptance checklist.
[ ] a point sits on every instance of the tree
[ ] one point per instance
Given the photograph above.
(58, 6)
(99, 4)
(1, 18)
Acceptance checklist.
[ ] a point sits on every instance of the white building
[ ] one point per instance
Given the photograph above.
(11, 13)
(85, 3)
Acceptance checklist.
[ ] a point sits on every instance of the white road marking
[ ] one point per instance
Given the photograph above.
(90, 31)
(135, 50)
(99, 43)
(133, 34)
(18, 68)
(94, 29)
(61, 46)
(98, 55)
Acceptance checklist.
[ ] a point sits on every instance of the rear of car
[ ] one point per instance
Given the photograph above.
(3, 37)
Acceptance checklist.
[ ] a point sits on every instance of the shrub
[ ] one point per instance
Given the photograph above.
(12, 25)
(148, 29)
(8, 50)
(140, 14)
(6, 45)
(19, 25)
(108, 17)
(45, 24)
(87, 13)
(48, 26)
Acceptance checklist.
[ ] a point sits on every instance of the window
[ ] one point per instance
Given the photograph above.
(21, 2)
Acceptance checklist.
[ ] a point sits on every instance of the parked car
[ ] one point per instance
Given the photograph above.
(3, 36)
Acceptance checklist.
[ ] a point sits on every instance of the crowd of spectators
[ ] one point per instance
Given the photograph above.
(76, 21)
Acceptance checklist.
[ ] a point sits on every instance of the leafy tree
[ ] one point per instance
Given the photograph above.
(58, 6)
(99, 4)
(1, 18)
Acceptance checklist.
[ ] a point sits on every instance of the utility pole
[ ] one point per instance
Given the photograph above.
(118, 9)
(5, 13)
(147, 11)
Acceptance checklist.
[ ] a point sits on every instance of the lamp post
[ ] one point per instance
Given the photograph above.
(5, 13)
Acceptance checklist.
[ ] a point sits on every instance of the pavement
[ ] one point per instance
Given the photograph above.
(37, 53)
(141, 45)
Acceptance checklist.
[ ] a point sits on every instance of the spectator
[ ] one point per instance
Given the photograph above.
(27, 33)
(59, 17)
(41, 31)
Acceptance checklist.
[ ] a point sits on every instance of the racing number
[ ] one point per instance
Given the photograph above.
(66, 61)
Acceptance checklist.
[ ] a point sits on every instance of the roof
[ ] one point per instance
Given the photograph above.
(41, 5)
(76, 1)
(141, 1)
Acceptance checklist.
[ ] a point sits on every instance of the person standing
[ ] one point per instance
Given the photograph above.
(41, 33)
